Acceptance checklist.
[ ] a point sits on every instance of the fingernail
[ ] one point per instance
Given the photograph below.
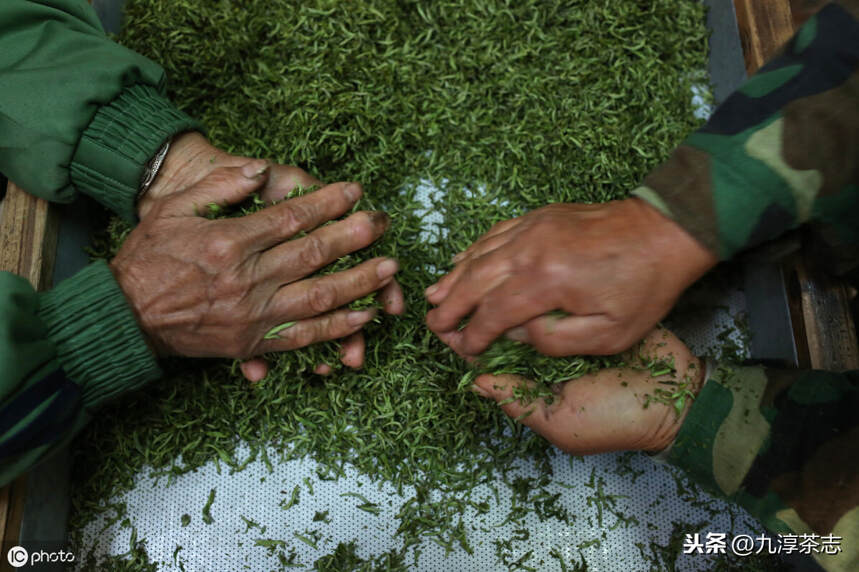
(255, 168)
(431, 290)
(379, 218)
(359, 317)
(386, 269)
(479, 390)
(458, 257)
(352, 192)
(517, 334)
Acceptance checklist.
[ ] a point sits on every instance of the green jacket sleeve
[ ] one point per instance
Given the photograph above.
(784, 444)
(78, 113)
(64, 352)
(779, 152)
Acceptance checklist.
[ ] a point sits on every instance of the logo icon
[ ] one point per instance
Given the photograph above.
(17, 556)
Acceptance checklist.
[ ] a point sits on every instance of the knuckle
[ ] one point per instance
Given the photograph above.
(295, 216)
(288, 218)
(222, 250)
(221, 175)
(314, 252)
(302, 337)
(321, 297)
(364, 282)
(433, 319)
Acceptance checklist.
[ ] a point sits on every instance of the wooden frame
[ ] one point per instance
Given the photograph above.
(825, 332)
(28, 233)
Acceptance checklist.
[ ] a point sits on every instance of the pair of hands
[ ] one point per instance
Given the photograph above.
(615, 269)
(205, 287)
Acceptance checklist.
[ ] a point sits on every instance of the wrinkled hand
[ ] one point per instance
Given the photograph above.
(615, 409)
(192, 157)
(616, 268)
(203, 287)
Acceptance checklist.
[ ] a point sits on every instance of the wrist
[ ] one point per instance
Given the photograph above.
(682, 253)
(189, 158)
(97, 338)
(696, 376)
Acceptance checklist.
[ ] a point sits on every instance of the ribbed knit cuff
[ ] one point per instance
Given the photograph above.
(122, 138)
(99, 343)
(663, 455)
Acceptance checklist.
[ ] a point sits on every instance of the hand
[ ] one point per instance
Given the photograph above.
(192, 157)
(614, 409)
(616, 268)
(204, 287)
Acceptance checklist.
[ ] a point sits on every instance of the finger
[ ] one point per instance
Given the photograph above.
(352, 352)
(331, 326)
(594, 334)
(453, 340)
(497, 228)
(515, 301)
(483, 247)
(438, 292)
(477, 278)
(322, 294)
(538, 415)
(283, 180)
(322, 369)
(254, 369)
(223, 186)
(393, 301)
(300, 257)
(276, 223)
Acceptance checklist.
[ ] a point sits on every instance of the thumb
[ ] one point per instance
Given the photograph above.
(535, 413)
(554, 421)
(222, 187)
(574, 335)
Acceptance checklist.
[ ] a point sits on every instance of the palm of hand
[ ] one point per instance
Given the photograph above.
(615, 409)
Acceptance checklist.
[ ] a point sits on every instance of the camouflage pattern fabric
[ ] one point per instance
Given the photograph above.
(779, 152)
(784, 444)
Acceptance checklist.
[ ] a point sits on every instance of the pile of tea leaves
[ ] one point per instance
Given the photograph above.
(502, 107)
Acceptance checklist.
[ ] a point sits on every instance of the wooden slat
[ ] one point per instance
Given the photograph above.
(28, 235)
(824, 327)
(830, 333)
(764, 28)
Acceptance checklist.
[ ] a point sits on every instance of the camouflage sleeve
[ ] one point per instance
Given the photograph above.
(784, 444)
(779, 152)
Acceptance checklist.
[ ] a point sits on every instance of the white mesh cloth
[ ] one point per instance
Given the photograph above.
(646, 490)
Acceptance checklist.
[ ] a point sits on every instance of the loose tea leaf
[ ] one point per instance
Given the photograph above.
(207, 514)
(501, 108)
